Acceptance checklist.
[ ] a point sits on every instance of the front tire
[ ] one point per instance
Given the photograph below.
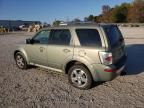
(20, 61)
(80, 77)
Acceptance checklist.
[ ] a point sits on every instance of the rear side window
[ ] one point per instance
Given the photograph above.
(60, 37)
(89, 37)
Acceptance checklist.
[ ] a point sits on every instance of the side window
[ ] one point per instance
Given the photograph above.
(42, 37)
(60, 37)
(89, 37)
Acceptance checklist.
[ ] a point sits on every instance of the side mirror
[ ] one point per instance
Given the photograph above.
(28, 41)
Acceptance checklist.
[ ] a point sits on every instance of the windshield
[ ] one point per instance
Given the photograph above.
(113, 34)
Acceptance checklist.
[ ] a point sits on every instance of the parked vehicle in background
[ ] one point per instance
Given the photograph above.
(2, 30)
(87, 53)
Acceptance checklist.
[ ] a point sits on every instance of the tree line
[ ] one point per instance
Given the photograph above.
(123, 13)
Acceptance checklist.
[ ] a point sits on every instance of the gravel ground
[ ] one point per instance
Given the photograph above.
(38, 88)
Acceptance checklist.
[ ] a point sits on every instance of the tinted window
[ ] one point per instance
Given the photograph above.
(113, 34)
(42, 37)
(60, 37)
(89, 37)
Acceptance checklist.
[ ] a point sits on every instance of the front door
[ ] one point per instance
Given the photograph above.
(37, 51)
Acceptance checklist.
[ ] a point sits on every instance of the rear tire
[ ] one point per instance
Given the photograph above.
(20, 61)
(80, 77)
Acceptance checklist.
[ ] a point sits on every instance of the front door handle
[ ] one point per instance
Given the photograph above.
(66, 50)
(41, 49)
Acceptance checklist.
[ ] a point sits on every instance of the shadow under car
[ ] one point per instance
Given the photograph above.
(135, 59)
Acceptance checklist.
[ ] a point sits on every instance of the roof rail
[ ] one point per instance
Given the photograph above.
(77, 23)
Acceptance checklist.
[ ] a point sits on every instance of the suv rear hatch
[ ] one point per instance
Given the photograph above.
(115, 41)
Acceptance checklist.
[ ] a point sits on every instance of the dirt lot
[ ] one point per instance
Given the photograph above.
(42, 88)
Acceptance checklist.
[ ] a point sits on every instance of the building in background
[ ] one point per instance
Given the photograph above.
(14, 24)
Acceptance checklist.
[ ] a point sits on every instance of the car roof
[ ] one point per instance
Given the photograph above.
(77, 26)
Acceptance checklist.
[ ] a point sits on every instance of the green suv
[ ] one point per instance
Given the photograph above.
(86, 53)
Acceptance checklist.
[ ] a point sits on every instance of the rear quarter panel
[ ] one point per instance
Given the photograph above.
(91, 54)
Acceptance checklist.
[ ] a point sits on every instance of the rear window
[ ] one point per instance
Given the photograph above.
(114, 35)
(89, 37)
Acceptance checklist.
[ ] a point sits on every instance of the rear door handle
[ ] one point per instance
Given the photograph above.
(66, 50)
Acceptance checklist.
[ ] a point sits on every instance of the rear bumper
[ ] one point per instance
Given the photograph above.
(116, 69)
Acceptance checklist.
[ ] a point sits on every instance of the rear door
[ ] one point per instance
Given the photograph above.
(59, 48)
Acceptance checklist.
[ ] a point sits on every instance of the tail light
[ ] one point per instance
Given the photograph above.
(106, 58)
(109, 70)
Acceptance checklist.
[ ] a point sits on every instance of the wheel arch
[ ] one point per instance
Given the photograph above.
(23, 53)
(84, 63)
